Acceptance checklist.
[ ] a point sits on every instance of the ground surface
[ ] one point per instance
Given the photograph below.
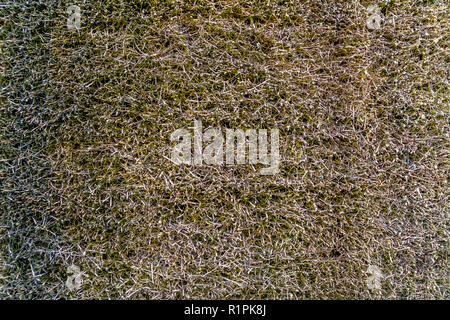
(86, 117)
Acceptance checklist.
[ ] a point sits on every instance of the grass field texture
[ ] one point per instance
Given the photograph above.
(85, 177)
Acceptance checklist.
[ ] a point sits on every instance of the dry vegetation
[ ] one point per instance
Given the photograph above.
(86, 118)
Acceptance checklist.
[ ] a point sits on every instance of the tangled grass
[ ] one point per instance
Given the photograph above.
(86, 117)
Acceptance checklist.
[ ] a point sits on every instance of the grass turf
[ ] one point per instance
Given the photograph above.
(86, 117)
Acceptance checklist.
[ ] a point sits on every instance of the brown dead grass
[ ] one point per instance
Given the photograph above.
(87, 115)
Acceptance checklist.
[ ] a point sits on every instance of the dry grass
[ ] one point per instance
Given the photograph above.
(87, 115)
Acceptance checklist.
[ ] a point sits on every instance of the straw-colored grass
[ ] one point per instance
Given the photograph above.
(86, 117)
